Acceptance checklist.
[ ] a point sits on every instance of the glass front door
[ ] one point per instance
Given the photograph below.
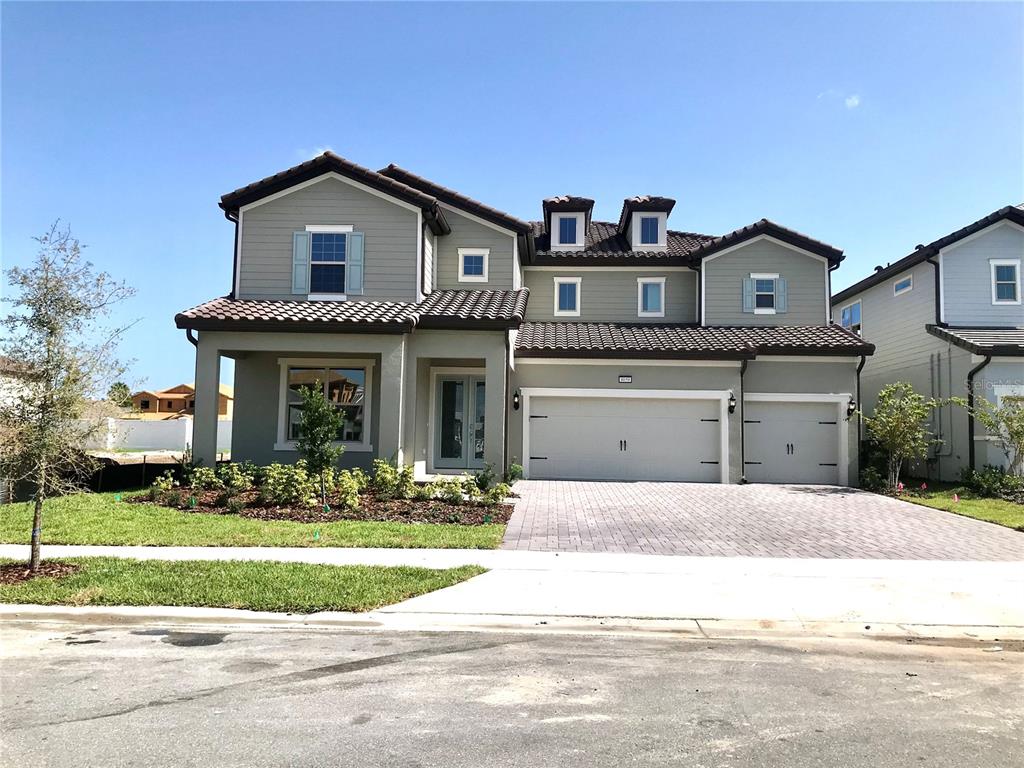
(459, 432)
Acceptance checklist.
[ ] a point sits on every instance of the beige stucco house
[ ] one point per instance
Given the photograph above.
(177, 402)
(452, 335)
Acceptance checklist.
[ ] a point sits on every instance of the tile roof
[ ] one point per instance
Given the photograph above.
(442, 309)
(983, 341)
(619, 340)
(644, 203)
(779, 232)
(604, 242)
(1014, 213)
(455, 199)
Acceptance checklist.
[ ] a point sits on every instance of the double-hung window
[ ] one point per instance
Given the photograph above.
(849, 317)
(650, 297)
(345, 384)
(764, 293)
(327, 262)
(567, 296)
(1005, 281)
(649, 230)
(473, 265)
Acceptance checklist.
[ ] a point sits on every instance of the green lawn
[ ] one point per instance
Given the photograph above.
(940, 496)
(258, 586)
(97, 518)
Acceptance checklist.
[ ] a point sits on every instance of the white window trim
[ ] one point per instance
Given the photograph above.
(284, 363)
(773, 276)
(846, 307)
(463, 253)
(577, 281)
(634, 231)
(640, 221)
(900, 291)
(335, 229)
(992, 264)
(556, 231)
(640, 283)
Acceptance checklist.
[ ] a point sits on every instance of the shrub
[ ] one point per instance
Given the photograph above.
(426, 492)
(288, 484)
(234, 478)
(485, 477)
(203, 478)
(172, 498)
(391, 481)
(994, 482)
(449, 489)
(235, 505)
(515, 472)
(162, 485)
(346, 485)
(496, 494)
(871, 479)
(470, 489)
(362, 479)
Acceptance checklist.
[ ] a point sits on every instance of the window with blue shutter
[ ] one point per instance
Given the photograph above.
(300, 262)
(354, 264)
(327, 262)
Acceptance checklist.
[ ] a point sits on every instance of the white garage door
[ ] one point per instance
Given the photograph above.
(602, 438)
(791, 442)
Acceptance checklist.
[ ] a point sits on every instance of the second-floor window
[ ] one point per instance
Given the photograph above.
(1005, 281)
(327, 262)
(567, 296)
(764, 294)
(650, 297)
(649, 230)
(903, 285)
(567, 230)
(849, 317)
(473, 265)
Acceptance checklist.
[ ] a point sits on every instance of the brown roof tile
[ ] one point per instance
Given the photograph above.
(442, 309)
(605, 243)
(682, 341)
(983, 341)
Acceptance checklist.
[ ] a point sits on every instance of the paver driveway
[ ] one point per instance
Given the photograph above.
(745, 520)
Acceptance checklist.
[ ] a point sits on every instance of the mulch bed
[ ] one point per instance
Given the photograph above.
(371, 509)
(18, 573)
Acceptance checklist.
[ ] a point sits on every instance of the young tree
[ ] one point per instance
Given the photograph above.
(319, 424)
(65, 360)
(1005, 422)
(120, 395)
(899, 426)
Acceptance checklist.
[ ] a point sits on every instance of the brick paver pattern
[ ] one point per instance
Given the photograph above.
(745, 520)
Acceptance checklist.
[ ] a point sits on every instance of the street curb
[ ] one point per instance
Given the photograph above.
(696, 628)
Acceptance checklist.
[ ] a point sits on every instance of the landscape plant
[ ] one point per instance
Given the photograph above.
(1005, 423)
(319, 425)
(63, 361)
(899, 427)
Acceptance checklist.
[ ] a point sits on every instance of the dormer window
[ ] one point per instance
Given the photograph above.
(649, 234)
(567, 230)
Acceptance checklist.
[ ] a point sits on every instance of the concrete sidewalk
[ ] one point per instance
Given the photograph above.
(650, 587)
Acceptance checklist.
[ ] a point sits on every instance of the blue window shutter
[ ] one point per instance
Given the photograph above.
(354, 263)
(781, 302)
(300, 262)
(748, 294)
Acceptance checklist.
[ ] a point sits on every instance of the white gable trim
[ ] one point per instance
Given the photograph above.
(980, 232)
(324, 177)
(477, 219)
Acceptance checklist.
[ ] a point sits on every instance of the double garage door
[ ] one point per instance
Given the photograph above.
(603, 438)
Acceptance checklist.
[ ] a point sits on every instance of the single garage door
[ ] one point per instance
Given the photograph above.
(605, 438)
(791, 442)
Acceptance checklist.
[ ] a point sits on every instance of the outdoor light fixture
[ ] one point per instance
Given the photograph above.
(851, 407)
(732, 403)
(515, 401)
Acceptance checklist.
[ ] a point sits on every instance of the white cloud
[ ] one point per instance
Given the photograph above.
(309, 154)
(835, 96)
(852, 101)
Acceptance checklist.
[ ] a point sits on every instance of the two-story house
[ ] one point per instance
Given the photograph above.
(948, 319)
(451, 335)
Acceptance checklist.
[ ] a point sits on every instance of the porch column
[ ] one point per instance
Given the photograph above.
(494, 409)
(204, 423)
(392, 383)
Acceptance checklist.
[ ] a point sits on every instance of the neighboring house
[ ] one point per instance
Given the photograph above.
(450, 335)
(948, 319)
(177, 401)
(11, 378)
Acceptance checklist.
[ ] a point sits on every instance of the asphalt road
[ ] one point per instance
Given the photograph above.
(76, 695)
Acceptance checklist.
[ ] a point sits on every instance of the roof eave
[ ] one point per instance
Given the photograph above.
(291, 326)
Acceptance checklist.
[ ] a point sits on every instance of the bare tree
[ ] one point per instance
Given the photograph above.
(64, 359)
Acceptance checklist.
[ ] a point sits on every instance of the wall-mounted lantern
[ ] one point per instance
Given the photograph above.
(515, 401)
(732, 403)
(851, 407)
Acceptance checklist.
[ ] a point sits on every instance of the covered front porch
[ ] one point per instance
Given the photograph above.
(431, 398)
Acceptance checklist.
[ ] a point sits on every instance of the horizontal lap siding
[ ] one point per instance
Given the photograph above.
(967, 278)
(389, 245)
(806, 279)
(467, 233)
(611, 296)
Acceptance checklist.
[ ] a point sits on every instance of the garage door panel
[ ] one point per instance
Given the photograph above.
(791, 442)
(588, 438)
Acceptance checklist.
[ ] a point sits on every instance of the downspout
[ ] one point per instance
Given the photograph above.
(191, 336)
(970, 408)
(699, 278)
(743, 428)
(860, 405)
(508, 379)
(234, 261)
(938, 293)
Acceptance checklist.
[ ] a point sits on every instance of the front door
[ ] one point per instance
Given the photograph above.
(459, 431)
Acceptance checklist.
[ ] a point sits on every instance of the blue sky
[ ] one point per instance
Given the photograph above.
(871, 126)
